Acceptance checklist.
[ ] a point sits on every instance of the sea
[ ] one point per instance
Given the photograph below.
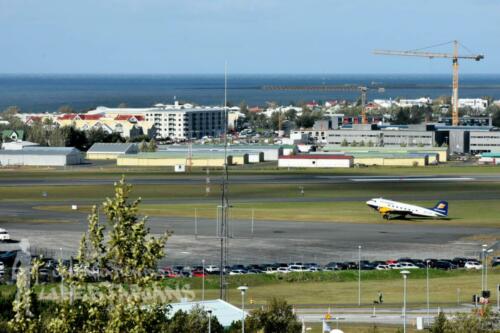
(46, 93)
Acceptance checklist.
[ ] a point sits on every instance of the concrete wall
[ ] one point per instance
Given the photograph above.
(103, 156)
(40, 160)
(151, 162)
(314, 163)
(418, 161)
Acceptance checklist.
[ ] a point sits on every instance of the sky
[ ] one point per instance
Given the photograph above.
(253, 36)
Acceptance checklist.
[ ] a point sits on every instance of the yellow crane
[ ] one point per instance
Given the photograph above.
(454, 56)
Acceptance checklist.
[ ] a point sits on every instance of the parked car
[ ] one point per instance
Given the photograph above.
(408, 265)
(443, 264)
(382, 267)
(473, 265)
(198, 273)
(395, 266)
(271, 270)
(495, 262)
(212, 269)
(4, 235)
(283, 270)
(237, 272)
(297, 268)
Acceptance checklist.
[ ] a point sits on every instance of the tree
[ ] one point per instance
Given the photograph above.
(277, 316)
(130, 252)
(152, 145)
(344, 143)
(439, 325)
(23, 321)
(194, 321)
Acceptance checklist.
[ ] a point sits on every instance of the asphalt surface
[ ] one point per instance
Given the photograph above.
(270, 241)
(247, 179)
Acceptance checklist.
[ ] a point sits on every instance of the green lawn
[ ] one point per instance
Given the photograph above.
(464, 213)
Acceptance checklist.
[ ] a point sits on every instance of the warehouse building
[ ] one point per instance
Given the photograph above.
(111, 151)
(168, 158)
(484, 141)
(41, 156)
(438, 154)
(315, 161)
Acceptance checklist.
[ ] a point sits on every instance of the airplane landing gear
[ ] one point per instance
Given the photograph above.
(386, 216)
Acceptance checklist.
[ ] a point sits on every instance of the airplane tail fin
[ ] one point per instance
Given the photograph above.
(441, 207)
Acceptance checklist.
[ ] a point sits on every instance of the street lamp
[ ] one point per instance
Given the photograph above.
(209, 321)
(359, 275)
(203, 281)
(243, 289)
(485, 265)
(483, 254)
(427, 289)
(405, 276)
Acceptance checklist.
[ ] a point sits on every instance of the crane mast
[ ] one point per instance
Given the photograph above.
(455, 56)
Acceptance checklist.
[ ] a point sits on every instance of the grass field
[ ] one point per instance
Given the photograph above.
(464, 213)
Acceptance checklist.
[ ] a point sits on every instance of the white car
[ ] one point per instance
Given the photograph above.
(473, 265)
(237, 272)
(212, 269)
(408, 265)
(4, 235)
(381, 267)
(297, 268)
(283, 270)
(394, 266)
(271, 270)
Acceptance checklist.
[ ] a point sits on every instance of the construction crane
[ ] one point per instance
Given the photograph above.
(455, 56)
(363, 91)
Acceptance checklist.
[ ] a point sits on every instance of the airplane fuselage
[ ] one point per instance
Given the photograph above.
(389, 207)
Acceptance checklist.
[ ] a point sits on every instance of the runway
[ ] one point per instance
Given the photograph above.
(270, 241)
(245, 179)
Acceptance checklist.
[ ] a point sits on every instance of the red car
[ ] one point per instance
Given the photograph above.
(167, 273)
(199, 273)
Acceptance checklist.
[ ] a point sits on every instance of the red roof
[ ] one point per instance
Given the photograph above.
(91, 116)
(128, 116)
(67, 116)
(33, 118)
(317, 157)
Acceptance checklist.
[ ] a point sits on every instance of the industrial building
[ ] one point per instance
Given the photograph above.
(484, 141)
(111, 151)
(315, 161)
(177, 121)
(436, 154)
(41, 156)
(167, 158)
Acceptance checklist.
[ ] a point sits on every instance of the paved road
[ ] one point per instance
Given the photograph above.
(247, 179)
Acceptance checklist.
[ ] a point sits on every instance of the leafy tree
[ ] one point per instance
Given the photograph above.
(37, 133)
(194, 321)
(152, 145)
(23, 321)
(439, 325)
(277, 316)
(344, 143)
(130, 252)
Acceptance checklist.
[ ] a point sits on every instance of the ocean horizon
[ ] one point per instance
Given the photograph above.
(47, 92)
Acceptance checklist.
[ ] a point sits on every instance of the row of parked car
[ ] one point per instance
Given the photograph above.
(284, 268)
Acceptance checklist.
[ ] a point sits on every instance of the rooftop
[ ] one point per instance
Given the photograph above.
(111, 147)
(226, 313)
(41, 151)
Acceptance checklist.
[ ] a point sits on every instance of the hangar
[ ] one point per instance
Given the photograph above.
(41, 156)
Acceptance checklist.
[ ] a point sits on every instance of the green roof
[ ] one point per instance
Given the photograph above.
(8, 134)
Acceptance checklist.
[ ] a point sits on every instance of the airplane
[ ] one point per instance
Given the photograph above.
(401, 209)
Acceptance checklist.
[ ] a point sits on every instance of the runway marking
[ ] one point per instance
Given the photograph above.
(406, 179)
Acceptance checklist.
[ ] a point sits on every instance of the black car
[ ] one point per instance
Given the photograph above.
(444, 264)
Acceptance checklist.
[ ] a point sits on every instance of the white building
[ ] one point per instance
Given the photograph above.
(178, 122)
(385, 103)
(315, 161)
(476, 104)
(41, 156)
(408, 103)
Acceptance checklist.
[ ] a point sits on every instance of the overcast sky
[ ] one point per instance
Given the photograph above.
(254, 36)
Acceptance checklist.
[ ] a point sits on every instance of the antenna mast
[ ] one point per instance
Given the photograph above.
(224, 230)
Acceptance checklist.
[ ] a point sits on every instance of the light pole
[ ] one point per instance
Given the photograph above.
(405, 276)
(203, 281)
(427, 290)
(485, 265)
(243, 289)
(209, 321)
(359, 275)
(483, 252)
